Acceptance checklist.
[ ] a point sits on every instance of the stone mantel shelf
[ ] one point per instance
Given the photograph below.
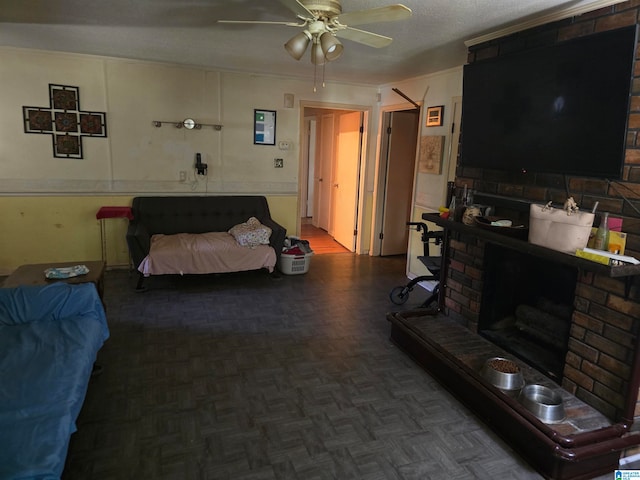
(626, 271)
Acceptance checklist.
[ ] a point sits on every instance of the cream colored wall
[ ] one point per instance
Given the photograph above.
(432, 90)
(429, 189)
(137, 158)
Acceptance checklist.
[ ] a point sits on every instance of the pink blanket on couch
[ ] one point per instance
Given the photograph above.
(212, 252)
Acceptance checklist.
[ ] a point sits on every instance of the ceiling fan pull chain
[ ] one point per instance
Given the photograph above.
(315, 69)
(323, 67)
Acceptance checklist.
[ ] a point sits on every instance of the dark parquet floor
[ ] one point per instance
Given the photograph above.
(243, 376)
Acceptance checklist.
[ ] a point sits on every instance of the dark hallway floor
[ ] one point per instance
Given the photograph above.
(243, 376)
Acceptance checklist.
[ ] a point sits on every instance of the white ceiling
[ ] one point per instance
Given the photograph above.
(187, 32)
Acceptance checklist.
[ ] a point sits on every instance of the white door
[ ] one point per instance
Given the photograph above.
(323, 174)
(346, 178)
(402, 141)
(308, 187)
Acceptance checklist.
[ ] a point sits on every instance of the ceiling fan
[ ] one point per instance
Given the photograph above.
(323, 21)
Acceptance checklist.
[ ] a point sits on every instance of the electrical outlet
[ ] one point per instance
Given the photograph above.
(284, 145)
(183, 176)
(278, 163)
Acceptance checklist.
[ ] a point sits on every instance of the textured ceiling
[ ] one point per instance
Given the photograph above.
(187, 32)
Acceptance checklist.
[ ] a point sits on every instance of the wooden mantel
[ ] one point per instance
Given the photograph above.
(628, 272)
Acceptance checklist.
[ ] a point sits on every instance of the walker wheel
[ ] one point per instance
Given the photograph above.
(399, 295)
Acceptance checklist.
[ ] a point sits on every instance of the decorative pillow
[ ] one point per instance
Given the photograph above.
(251, 233)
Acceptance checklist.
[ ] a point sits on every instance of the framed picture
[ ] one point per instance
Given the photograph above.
(435, 116)
(264, 127)
(431, 153)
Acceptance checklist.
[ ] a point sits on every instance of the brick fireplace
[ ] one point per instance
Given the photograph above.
(599, 365)
(600, 354)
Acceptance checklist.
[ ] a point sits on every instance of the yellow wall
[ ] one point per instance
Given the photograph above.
(41, 229)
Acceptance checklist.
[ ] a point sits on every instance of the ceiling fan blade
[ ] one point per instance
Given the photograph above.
(366, 38)
(288, 24)
(299, 9)
(374, 15)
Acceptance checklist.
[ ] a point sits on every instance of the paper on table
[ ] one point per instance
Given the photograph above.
(66, 272)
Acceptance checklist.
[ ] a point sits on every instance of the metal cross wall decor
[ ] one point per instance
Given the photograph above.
(64, 121)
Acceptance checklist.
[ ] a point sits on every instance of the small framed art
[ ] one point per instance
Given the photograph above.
(435, 116)
(264, 127)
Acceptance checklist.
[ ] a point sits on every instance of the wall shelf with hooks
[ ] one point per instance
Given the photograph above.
(187, 123)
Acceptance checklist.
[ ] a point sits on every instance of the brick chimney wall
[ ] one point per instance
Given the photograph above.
(605, 324)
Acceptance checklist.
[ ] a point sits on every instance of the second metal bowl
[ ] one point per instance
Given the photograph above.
(543, 402)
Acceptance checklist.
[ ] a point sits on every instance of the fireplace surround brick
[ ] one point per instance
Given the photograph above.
(605, 325)
(600, 356)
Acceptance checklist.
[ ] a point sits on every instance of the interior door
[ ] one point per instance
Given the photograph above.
(346, 178)
(323, 173)
(400, 159)
(308, 187)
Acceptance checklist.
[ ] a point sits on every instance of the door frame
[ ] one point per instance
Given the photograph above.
(367, 111)
(379, 187)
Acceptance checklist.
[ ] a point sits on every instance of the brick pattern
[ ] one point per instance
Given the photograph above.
(543, 187)
(605, 324)
(600, 357)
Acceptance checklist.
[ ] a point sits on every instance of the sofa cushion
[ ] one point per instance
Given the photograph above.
(212, 252)
(251, 233)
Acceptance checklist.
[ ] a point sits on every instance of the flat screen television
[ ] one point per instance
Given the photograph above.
(556, 109)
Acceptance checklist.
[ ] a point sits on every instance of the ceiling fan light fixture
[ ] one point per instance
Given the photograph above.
(317, 54)
(331, 46)
(297, 45)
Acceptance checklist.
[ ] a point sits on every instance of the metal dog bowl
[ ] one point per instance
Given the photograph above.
(503, 373)
(543, 402)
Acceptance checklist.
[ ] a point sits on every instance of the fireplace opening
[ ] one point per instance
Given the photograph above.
(527, 305)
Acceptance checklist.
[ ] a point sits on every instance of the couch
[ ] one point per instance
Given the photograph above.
(49, 339)
(195, 230)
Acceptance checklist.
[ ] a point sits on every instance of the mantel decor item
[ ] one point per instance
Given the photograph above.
(435, 116)
(64, 121)
(431, 152)
(264, 127)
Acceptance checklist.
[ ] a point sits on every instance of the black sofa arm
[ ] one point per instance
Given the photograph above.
(278, 234)
(138, 241)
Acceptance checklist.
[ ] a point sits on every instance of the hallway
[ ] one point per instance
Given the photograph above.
(319, 240)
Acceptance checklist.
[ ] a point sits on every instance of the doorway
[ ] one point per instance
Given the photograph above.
(332, 155)
(398, 163)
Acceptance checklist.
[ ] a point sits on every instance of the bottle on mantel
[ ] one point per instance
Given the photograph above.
(601, 240)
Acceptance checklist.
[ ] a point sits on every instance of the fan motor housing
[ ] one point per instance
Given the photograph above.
(325, 8)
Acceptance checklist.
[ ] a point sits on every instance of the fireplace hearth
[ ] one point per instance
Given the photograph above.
(521, 294)
(602, 360)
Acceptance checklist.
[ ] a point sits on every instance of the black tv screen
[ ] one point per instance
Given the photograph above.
(557, 109)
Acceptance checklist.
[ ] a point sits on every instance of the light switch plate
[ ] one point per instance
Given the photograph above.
(278, 162)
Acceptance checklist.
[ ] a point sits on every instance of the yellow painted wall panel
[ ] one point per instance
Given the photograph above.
(41, 229)
(57, 229)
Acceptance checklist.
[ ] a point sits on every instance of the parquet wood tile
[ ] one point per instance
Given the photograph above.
(320, 241)
(243, 376)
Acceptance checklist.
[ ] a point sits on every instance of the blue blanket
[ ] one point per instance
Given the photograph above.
(49, 339)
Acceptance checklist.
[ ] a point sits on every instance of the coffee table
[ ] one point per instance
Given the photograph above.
(33, 274)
